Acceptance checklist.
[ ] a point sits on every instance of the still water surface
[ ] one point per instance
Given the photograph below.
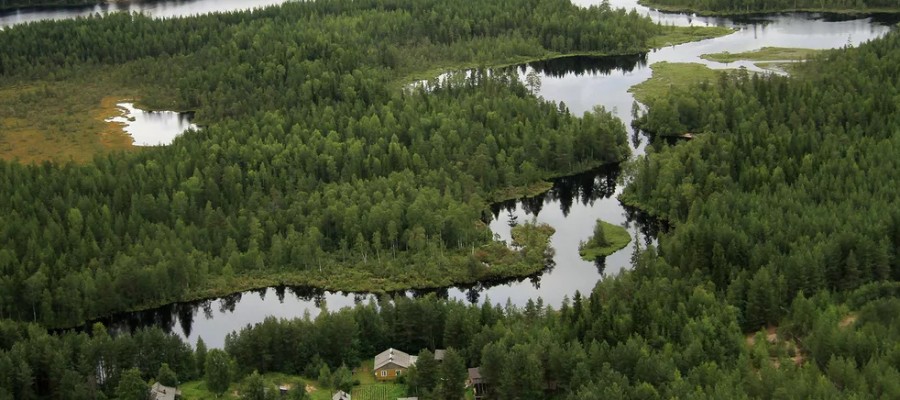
(152, 128)
(158, 9)
(573, 204)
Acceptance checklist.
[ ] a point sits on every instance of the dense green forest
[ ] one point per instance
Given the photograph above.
(328, 170)
(789, 183)
(318, 164)
(764, 6)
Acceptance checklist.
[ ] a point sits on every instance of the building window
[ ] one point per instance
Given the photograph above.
(398, 372)
(383, 373)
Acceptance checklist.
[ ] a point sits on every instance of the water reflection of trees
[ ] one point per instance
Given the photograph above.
(586, 187)
(582, 65)
(647, 225)
(474, 291)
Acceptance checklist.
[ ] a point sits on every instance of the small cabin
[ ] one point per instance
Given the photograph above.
(392, 363)
(476, 382)
(162, 392)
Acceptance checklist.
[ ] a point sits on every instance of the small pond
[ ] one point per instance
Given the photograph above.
(152, 128)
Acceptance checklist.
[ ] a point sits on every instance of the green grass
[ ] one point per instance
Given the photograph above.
(60, 121)
(378, 391)
(518, 192)
(62, 117)
(617, 238)
(668, 75)
(197, 390)
(673, 35)
(763, 54)
(364, 374)
(370, 389)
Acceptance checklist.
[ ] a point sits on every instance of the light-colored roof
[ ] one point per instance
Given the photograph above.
(439, 354)
(340, 395)
(395, 356)
(161, 392)
(475, 375)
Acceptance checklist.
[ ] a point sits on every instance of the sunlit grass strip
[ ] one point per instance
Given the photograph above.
(667, 76)
(616, 236)
(763, 54)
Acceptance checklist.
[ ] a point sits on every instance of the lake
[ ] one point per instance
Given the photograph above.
(159, 9)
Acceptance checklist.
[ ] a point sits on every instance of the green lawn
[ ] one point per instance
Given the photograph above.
(677, 35)
(197, 390)
(378, 391)
(668, 75)
(763, 54)
(617, 238)
(370, 389)
(363, 373)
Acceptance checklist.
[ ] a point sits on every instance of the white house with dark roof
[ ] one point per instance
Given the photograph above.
(392, 363)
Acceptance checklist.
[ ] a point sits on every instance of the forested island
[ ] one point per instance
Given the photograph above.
(318, 164)
(736, 7)
(607, 239)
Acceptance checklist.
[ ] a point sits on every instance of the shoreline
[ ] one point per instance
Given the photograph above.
(751, 13)
(218, 288)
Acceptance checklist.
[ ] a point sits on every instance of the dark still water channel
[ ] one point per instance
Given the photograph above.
(158, 9)
(571, 207)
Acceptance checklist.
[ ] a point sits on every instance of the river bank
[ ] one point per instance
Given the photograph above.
(845, 12)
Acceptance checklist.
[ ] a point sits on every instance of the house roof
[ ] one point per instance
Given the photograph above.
(161, 392)
(394, 356)
(475, 375)
(439, 354)
(340, 395)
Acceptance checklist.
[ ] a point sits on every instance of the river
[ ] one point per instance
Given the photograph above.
(571, 206)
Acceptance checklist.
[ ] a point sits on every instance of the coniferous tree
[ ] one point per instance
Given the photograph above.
(452, 376)
(200, 357)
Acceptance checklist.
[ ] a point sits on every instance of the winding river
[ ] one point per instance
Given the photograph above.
(571, 206)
